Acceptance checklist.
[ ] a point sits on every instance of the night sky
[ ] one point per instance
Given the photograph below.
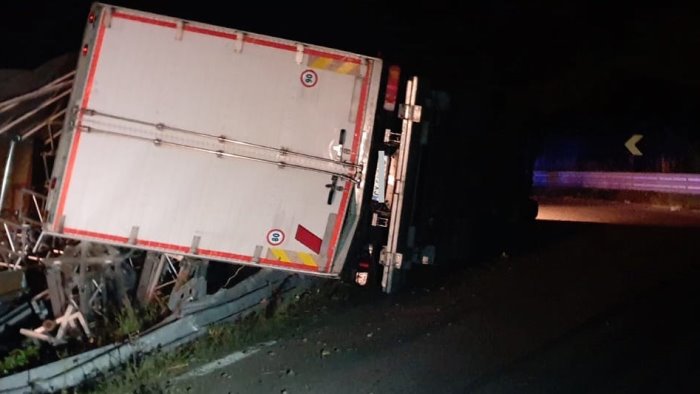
(515, 70)
(507, 43)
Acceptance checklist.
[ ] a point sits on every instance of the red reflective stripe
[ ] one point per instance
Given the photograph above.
(308, 239)
(158, 245)
(232, 36)
(226, 255)
(360, 115)
(271, 44)
(92, 234)
(143, 19)
(210, 32)
(353, 159)
(161, 245)
(76, 132)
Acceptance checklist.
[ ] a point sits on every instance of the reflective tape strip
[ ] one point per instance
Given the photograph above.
(290, 256)
(338, 66)
(321, 62)
(280, 254)
(348, 68)
(307, 259)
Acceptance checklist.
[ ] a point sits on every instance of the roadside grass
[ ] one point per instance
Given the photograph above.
(154, 372)
(19, 358)
(131, 321)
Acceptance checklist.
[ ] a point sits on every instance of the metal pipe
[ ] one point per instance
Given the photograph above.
(38, 210)
(173, 271)
(280, 164)
(49, 125)
(9, 237)
(19, 260)
(220, 138)
(29, 114)
(8, 168)
(43, 124)
(48, 88)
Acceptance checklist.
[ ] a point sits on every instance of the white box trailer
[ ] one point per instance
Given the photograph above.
(199, 140)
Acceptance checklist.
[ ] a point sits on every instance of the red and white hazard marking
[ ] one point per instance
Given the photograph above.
(275, 237)
(309, 78)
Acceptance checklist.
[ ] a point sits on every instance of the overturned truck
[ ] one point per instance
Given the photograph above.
(185, 144)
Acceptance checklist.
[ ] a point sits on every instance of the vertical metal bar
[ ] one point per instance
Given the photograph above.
(120, 285)
(8, 168)
(395, 218)
(83, 295)
(38, 210)
(172, 267)
(55, 287)
(397, 206)
(150, 275)
(39, 243)
(19, 260)
(9, 237)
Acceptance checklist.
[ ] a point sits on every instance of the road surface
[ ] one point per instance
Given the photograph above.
(586, 308)
(612, 212)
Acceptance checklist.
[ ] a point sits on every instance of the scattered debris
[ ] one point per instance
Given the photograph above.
(63, 323)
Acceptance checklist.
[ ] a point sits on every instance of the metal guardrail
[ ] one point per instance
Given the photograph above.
(224, 306)
(688, 184)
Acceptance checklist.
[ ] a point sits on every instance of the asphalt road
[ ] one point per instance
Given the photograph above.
(601, 211)
(585, 308)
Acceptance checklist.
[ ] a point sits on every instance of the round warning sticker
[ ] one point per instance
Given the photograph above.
(309, 78)
(275, 237)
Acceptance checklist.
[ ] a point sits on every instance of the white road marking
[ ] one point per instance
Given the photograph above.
(224, 361)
